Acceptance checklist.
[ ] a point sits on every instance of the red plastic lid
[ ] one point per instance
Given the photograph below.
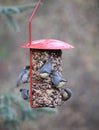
(47, 44)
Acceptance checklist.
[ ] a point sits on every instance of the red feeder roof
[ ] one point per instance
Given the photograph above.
(48, 44)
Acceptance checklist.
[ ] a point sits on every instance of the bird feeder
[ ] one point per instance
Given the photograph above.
(43, 92)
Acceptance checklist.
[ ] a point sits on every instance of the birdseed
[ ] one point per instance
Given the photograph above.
(44, 94)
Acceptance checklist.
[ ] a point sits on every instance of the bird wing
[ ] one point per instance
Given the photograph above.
(19, 80)
(46, 68)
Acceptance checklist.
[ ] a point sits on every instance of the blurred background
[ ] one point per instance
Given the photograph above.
(75, 22)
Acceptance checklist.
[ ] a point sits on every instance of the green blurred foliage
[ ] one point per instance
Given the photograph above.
(9, 11)
(13, 111)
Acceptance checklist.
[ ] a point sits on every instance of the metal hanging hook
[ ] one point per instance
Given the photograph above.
(30, 21)
(30, 42)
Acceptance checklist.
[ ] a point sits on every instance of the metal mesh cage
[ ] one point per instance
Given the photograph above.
(44, 93)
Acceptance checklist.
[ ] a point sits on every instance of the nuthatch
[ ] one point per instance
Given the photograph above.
(57, 79)
(66, 94)
(24, 76)
(25, 94)
(46, 69)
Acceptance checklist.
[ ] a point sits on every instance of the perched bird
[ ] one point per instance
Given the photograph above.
(25, 94)
(46, 69)
(66, 94)
(57, 79)
(24, 76)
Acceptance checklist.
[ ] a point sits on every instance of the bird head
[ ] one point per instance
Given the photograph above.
(27, 67)
(66, 94)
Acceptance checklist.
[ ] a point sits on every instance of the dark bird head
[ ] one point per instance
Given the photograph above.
(21, 90)
(69, 92)
(27, 67)
(24, 90)
(66, 94)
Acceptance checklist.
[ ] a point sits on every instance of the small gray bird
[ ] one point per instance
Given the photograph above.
(25, 94)
(57, 79)
(46, 69)
(66, 94)
(24, 76)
